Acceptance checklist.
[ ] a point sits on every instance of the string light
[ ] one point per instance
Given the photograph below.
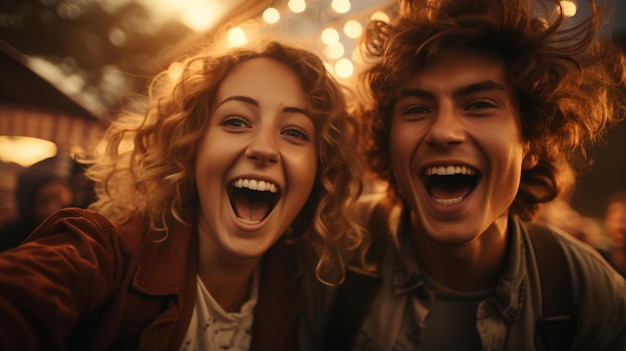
(330, 36)
(175, 71)
(353, 29)
(237, 37)
(340, 6)
(335, 51)
(344, 68)
(568, 8)
(380, 16)
(357, 56)
(271, 15)
(296, 6)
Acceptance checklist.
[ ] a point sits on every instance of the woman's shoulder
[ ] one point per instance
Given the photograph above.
(79, 225)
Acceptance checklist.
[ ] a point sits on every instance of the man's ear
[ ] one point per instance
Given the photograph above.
(530, 161)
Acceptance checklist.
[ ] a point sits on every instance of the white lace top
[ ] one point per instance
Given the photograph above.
(213, 329)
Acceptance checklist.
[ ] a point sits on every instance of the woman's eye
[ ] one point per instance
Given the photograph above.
(296, 133)
(233, 121)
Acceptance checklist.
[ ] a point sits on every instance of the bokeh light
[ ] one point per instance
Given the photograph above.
(335, 51)
(296, 6)
(271, 15)
(340, 6)
(353, 29)
(330, 36)
(344, 68)
(237, 37)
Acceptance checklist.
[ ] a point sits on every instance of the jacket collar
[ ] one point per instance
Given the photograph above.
(281, 300)
(510, 290)
(512, 286)
(164, 265)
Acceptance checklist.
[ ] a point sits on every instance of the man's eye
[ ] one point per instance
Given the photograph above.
(480, 105)
(296, 133)
(414, 110)
(233, 121)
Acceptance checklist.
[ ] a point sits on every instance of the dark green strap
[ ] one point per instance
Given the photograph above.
(354, 296)
(557, 326)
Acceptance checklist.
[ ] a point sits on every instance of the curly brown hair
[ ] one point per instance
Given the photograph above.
(147, 169)
(569, 84)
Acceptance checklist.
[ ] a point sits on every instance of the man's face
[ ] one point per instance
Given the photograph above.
(456, 146)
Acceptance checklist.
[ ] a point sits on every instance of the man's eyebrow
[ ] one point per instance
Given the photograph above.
(486, 85)
(253, 102)
(420, 93)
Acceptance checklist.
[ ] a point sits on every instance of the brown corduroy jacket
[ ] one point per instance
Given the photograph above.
(82, 283)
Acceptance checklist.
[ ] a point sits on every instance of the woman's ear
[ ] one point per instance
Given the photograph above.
(530, 161)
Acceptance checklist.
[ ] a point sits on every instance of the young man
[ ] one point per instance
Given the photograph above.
(476, 107)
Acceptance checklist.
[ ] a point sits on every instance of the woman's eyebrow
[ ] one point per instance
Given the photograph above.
(245, 99)
(299, 110)
(253, 102)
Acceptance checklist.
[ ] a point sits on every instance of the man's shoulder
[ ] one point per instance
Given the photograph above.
(590, 272)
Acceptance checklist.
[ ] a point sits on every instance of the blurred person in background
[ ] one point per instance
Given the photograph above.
(615, 228)
(560, 214)
(41, 190)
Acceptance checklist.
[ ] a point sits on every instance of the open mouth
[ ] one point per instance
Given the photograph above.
(449, 185)
(252, 200)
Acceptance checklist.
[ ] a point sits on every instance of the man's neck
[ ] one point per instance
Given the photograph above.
(473, 266)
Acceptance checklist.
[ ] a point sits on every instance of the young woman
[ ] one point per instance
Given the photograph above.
(236, 180)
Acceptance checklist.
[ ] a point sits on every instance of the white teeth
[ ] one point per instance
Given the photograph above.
(248, 221)
(450, 170)
(253, 184)
(456, 200)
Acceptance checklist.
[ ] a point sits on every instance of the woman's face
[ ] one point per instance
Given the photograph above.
(257, 162)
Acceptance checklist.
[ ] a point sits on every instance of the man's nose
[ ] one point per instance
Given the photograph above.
(446, 128)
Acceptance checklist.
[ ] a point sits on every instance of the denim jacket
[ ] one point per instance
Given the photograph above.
(506, 319)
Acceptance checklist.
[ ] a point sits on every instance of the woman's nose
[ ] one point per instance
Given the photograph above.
(263, 146)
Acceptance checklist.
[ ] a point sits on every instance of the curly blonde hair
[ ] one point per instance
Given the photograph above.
(147, 169)
(569, 86)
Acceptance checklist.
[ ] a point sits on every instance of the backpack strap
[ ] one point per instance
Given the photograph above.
(354, 296)
(557, 325)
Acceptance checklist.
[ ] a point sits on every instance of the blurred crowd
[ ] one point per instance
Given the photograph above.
(607, 234)
(42, 189)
